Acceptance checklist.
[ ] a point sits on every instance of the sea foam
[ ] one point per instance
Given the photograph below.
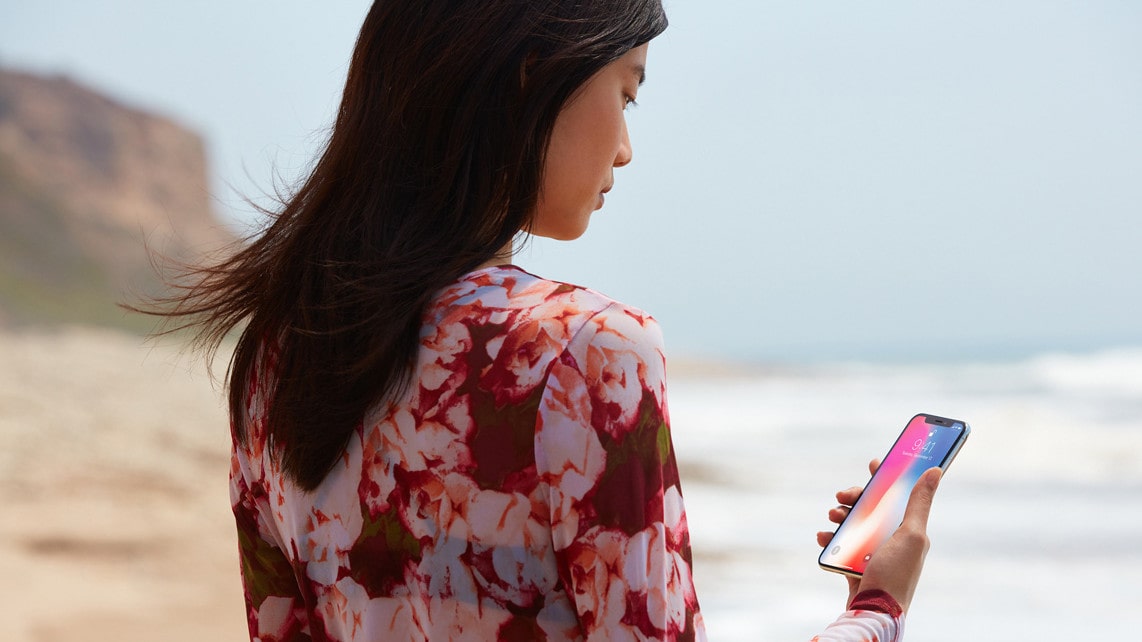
(1044, 494)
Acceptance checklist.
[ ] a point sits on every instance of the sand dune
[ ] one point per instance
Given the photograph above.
(116, 522)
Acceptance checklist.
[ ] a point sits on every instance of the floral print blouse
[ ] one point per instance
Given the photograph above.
(523, 488)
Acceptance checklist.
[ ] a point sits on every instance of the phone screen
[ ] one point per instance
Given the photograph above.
(927, 441)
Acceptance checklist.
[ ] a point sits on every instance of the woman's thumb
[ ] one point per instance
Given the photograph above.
(920, 501)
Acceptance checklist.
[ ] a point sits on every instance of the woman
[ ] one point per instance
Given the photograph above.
(430, 443)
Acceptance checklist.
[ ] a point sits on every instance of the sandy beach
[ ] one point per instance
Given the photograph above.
(116, 522)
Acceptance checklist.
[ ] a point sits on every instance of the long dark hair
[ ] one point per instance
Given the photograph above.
(434, 165)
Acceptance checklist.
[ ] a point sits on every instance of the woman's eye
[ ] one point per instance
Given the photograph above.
(629, 102)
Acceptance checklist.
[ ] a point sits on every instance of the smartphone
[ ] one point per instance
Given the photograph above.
(927, 441)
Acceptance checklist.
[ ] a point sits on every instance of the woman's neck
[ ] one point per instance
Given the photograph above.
(503, 257)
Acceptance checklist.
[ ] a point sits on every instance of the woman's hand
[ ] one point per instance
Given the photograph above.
(895, 567)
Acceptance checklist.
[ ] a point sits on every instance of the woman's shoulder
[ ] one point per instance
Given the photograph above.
(508, 327)
(515, 310)
(510, 290)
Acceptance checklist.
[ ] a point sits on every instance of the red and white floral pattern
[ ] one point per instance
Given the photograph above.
(524, 488)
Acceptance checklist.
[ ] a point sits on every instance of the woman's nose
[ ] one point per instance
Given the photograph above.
(625, 153)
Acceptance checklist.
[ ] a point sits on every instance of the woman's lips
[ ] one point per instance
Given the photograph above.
(603, 195)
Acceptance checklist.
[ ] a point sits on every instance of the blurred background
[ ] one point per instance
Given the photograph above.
(842, 214)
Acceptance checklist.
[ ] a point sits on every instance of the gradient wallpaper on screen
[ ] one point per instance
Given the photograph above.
(880, 508)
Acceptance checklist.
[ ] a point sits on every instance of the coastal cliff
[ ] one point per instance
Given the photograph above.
(90, 190)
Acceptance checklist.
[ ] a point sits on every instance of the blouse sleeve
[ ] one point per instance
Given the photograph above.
(275, 607)
(863, 626)
(618, 524)
(605, 454)
(874, 616)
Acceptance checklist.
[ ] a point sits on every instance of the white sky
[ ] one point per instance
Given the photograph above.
(812, 180)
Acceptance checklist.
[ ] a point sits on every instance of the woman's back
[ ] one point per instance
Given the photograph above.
(524, 486)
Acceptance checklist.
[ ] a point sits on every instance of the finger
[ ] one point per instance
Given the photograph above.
(823, 538)
(920, 501)
(848, 496)
(838, 514)
(873, 464)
